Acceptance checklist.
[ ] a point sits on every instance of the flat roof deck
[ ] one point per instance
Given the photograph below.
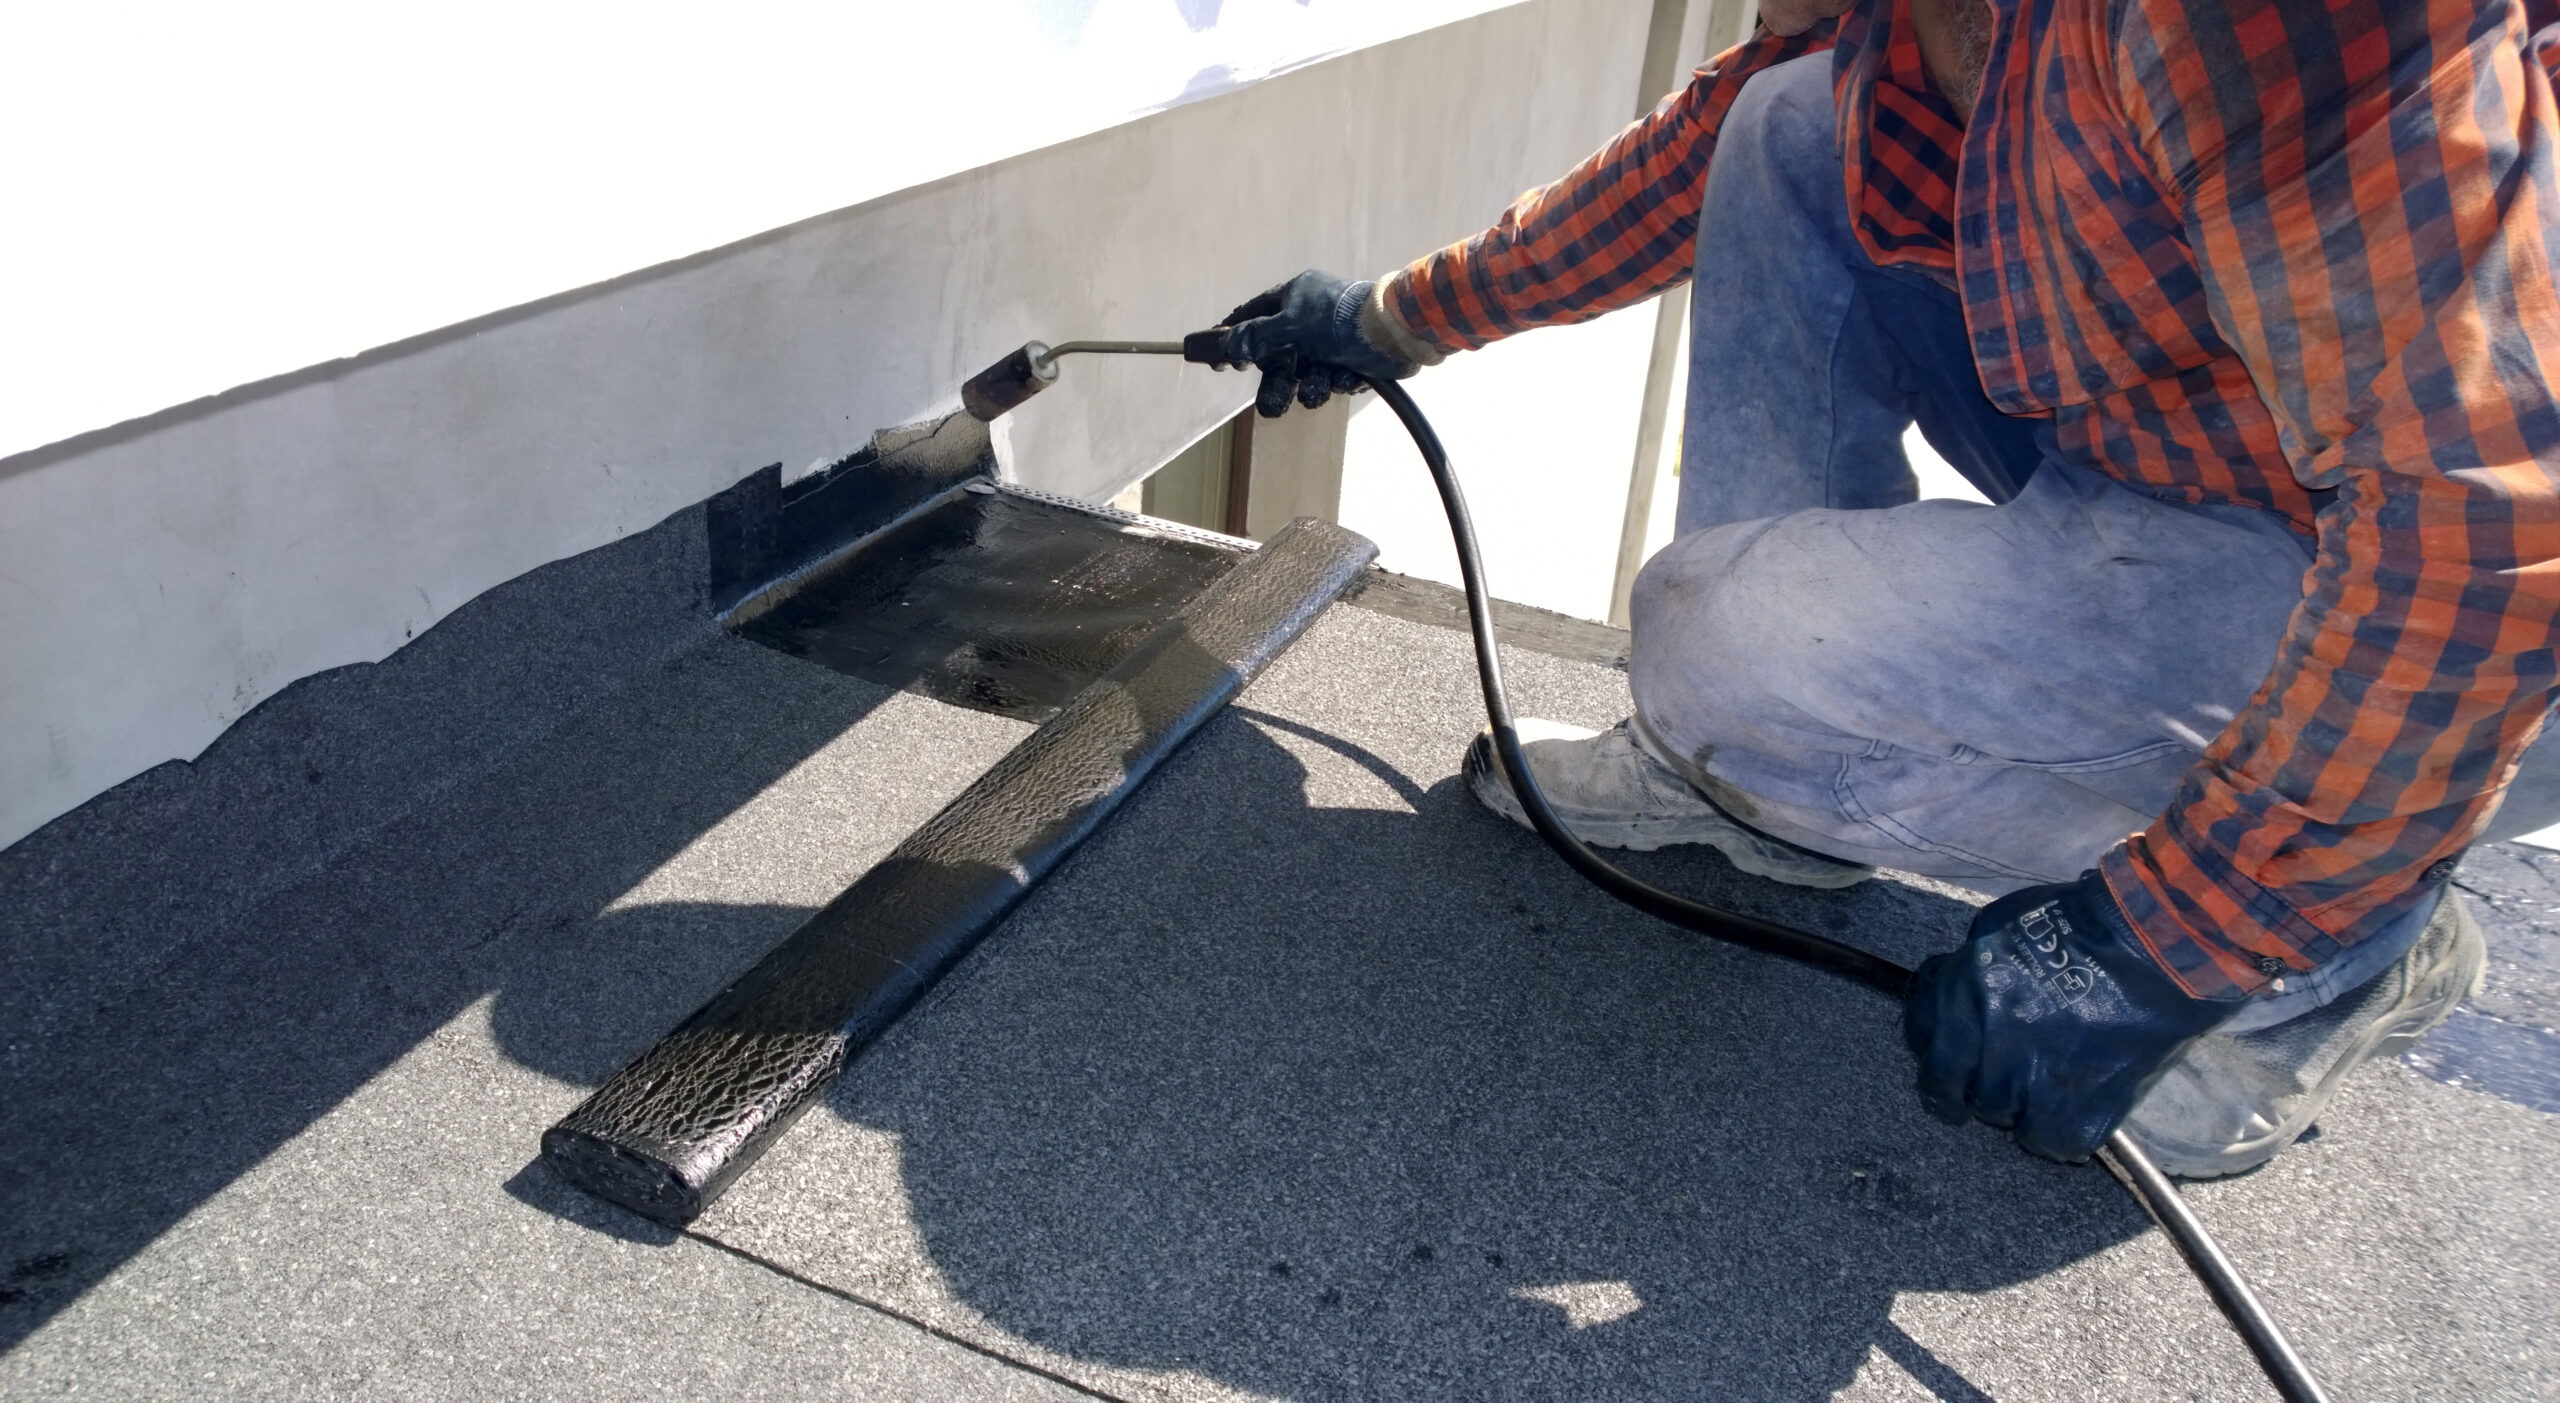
(1305, 1077)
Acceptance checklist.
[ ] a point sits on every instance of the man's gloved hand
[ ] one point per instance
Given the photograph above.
(2050, 1021)
(1305, 337)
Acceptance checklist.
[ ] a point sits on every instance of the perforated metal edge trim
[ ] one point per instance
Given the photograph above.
(1156, 524)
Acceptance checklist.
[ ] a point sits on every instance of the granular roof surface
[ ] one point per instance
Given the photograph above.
(1304, 1078)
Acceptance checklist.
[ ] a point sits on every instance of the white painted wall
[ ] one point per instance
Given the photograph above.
(206, 195)
(1539, 480)
(161, 577)
(1541, 428)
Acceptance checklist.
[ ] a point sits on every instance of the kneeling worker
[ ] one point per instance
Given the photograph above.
(2242, 311)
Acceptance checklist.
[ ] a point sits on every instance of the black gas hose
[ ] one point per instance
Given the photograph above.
(1003, 386)
(2122, 1157)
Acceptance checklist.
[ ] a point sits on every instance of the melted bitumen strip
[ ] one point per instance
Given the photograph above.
(668, 1133)
(993, 601)
(763, 528)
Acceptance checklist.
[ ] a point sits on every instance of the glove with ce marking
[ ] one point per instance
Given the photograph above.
(2050, 1021)
(1312, 337)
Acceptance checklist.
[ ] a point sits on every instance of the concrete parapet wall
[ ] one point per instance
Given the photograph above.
(164, 576)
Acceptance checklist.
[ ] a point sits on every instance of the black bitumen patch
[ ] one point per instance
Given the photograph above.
(763, 528)
(671, 1130)
(993, 601)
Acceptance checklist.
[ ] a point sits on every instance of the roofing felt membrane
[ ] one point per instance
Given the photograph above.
(1303, 1077)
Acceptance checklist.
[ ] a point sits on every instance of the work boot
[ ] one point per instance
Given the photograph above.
(2235, 1099)
(1612, 793)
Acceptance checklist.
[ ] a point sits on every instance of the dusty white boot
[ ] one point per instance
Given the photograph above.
(1612, 793)
(2235, 1099)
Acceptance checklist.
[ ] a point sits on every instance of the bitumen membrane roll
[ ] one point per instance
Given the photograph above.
(669, 1132)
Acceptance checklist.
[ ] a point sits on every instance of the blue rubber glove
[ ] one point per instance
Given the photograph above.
(2050, 1021)
(1304, 336)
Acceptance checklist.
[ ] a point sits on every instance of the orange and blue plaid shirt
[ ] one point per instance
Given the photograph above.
(2292, 254)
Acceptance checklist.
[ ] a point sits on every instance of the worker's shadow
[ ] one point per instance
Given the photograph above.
(1308, 1100)
(1312, 1100)
(1381, 1101)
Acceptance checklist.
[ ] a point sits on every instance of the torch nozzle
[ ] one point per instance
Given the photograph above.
(1002, 387)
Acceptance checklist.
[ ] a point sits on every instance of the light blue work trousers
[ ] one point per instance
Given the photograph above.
(1990, 694)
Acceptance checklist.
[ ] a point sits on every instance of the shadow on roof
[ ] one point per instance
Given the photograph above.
(1313, 1101)
(212, 957)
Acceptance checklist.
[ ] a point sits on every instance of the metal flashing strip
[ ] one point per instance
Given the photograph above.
(669, 1132)
(1157, 524)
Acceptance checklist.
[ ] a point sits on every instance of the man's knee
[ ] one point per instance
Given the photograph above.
(1712, 663)
(1675, 602)
(1784, 118)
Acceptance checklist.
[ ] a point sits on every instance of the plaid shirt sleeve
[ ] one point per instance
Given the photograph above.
(2369, 192)
(1617, 229)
